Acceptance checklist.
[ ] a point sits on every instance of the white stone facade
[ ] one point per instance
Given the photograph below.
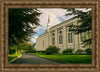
(60, 37)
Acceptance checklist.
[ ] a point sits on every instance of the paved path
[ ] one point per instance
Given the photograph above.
(32, 59)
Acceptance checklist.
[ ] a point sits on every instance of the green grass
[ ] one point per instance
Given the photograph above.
(74, 59)
(11, 57)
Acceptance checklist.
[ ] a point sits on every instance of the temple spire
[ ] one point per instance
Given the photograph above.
(48, 24)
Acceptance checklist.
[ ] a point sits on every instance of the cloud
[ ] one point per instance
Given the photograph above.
(57, 15)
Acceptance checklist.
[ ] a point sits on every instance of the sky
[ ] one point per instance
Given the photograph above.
(57, 15)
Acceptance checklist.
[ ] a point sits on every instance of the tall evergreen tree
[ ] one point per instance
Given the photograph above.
(84, 23)
(20, 24)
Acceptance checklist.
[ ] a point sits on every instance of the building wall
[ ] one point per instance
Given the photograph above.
(42, 42)
(75, 44)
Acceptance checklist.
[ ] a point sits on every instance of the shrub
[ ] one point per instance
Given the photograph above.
(68, 50)
(80, 54)
(30, 51)
(88, 51)
(69, 53)
(40, 52)
(52, 50)
(79, 51)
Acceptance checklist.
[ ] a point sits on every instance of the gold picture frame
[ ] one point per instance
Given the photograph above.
(6, 4)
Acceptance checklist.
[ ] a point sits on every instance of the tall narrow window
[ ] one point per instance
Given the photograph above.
(85, 35)
(70, 38)
(82, 36)
(53, 39)
(60, 37)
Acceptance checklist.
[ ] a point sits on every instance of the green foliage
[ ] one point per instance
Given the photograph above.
(22, 48)
(79, 51)
(88, 51)
(12, 50)
(12, 56)
(69, 53)
(30, 51)
(81, 54)
(20, 24)
(69, 50)
(43, 52)
(85, 20)
(52, 50)
(34, 45)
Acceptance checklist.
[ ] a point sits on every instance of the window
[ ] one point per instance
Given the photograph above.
(60, 37)
(70, 38)
(53, 41)
(60, 32)
(53, 34)
(83, 36)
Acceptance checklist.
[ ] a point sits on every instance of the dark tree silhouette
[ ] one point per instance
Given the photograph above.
(20, 24)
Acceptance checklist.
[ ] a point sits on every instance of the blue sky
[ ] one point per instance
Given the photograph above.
(57, 15)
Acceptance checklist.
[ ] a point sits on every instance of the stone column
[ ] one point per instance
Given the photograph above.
(49, 39)
(56, 38)
(64, 37)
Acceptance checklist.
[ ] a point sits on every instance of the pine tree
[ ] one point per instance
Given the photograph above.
(84, 23)
(20, 24)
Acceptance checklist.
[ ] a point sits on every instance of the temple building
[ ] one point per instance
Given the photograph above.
(61, 37)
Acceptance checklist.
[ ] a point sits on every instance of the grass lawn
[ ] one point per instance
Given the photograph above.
(11, 57)
(74, 59)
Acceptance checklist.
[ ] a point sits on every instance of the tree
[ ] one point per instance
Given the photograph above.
(84, 23)
(20, 21)
(34, 45)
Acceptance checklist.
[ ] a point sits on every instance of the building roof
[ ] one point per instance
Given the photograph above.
(59, 24)
(63, 22)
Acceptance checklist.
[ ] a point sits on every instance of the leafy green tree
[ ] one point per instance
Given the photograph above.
(12, 50)
(84, 23)
(20, 24)
(34, 45)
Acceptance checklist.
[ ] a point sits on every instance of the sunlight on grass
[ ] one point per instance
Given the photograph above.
(11, 57)
(68, 58)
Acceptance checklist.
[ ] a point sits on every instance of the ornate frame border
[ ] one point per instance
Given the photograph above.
(5, 67)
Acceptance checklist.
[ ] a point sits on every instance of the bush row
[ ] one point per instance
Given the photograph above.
(55, 50)
(79, 51)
